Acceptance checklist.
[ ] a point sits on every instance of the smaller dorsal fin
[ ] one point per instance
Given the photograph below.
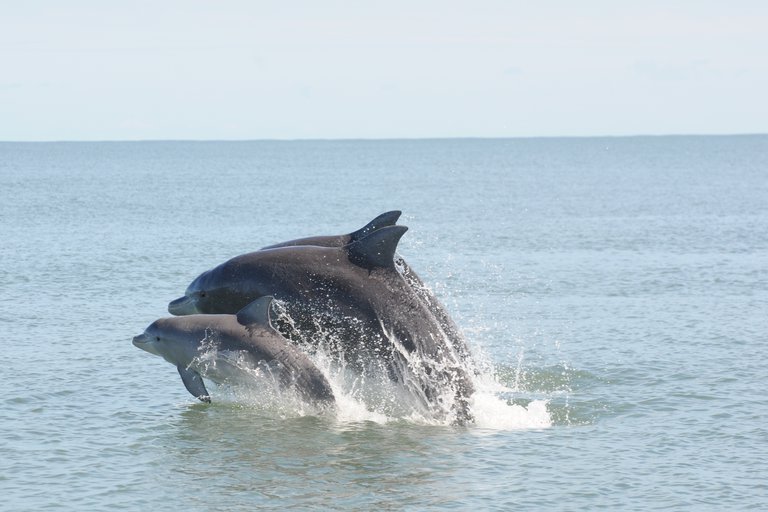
(257, 312)
(382, 221)
(377, 249)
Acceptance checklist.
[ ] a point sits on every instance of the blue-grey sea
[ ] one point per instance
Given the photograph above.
(614, 292)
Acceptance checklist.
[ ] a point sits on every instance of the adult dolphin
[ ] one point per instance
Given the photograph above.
(247, 338)
(356, 292)
(425, 292)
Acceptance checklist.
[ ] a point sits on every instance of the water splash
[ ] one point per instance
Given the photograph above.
(367, 397)
(424, 391)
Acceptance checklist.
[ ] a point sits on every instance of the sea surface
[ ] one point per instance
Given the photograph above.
(614, 292)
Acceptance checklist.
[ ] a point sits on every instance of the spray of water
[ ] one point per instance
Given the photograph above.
(368, 393)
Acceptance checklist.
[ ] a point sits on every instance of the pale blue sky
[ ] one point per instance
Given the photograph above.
(193, 69)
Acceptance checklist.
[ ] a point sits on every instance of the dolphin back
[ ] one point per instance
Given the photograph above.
(383, 220)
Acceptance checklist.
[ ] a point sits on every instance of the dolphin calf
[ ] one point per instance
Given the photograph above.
(247, 338)
(355, 292)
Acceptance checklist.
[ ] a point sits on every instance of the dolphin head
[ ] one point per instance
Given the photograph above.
(148, 343)
(184, 305)
(225, 289)
(193, 300)
(172, 340)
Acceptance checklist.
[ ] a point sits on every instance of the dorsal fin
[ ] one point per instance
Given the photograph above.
(377, 249)
(257, 312)
(382, 221)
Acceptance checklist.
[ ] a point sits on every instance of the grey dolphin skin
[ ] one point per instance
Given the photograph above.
(383, 220)
(426, 294)
(356, 292)
(183, 340)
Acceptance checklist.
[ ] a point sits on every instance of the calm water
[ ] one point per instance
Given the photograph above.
(616, 291)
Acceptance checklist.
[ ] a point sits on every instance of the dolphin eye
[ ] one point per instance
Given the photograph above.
(157, 338)
(202, 294)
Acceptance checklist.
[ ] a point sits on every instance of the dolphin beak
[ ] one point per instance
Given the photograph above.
(146, 343)
(182, 306)
(140, 340)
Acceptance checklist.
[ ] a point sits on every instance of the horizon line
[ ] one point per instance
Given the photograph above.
(385, 139)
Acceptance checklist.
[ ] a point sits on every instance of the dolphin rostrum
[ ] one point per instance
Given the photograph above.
(247, 338)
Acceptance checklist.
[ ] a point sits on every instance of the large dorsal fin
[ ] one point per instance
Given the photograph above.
(257, 312)
(377, 249)
(382, 221)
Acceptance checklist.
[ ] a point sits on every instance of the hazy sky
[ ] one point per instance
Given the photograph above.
(186, 69)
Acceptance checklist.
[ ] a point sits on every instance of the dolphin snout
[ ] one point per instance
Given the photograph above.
(147, 343)
(141, 339)
(182, 306)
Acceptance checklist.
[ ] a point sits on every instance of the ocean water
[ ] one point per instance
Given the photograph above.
(613, 290)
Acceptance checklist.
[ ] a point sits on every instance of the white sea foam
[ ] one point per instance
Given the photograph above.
(491, 411)
(363, 398)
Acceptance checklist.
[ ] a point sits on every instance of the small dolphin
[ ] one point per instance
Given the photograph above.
(248, 336)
